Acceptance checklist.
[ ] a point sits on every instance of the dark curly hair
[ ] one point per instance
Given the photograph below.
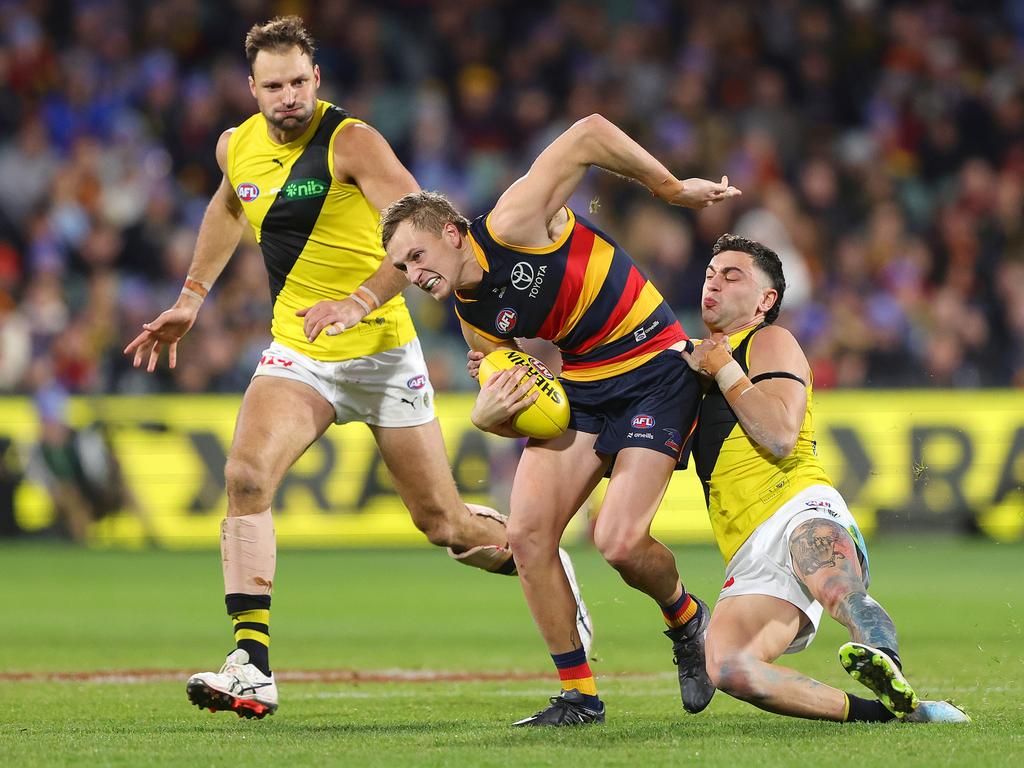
(764, 258)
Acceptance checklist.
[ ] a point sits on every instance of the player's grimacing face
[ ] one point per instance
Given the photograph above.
(733, 293)
(285, 85)
(430, 262)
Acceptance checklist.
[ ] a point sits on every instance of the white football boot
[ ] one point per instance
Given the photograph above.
(583, 623)
(936, 712)
(239, 687)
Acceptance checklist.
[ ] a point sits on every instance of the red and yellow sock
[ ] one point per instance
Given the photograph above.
(680, 611)
(574, 672)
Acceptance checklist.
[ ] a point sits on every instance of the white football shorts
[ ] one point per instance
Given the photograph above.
(763, 565)
(387, 389)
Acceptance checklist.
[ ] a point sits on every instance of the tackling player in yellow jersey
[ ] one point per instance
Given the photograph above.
(791, 546)
(311, 181)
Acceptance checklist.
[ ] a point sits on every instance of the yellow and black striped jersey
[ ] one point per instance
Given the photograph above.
(319, 236)
(744, 484)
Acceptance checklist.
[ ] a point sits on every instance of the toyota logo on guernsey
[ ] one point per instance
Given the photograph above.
(643, 421)
(522, 276)
(247, 192)
(417, 382)
(506, 320)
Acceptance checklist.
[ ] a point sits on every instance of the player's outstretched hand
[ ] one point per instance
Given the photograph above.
(696, 193)
(166, 330)
(333, 316)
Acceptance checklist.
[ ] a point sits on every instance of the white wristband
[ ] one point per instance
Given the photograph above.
(371, 294)
(728, 375)
(361, 303)
(193, 294)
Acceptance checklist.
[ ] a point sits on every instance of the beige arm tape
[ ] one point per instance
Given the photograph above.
(489, 557)
(248, 550)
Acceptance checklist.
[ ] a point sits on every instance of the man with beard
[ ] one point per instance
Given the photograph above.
(311, 180)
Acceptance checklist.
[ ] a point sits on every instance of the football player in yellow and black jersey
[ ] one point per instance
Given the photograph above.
(791, 546)
(311, 181)
(534, 268)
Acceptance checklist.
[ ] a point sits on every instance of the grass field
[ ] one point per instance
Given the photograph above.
(430, 661)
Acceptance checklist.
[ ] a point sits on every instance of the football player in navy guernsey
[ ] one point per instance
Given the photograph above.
(534, 268)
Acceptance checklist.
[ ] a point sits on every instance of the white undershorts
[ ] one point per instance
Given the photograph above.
(763, 564)
(387, 389)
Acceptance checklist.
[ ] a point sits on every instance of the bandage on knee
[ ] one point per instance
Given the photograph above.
(248, 550)
(495, 558)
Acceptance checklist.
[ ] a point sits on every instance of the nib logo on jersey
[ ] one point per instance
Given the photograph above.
(300, 189)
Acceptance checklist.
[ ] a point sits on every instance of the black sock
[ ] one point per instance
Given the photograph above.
(892, 655)
(866, 711)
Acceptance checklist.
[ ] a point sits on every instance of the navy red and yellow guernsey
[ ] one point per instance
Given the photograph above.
(583, 292)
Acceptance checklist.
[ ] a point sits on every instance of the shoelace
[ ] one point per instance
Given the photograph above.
(688, 660)
(568, 710)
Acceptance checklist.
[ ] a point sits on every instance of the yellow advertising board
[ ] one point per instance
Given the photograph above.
(904, 459)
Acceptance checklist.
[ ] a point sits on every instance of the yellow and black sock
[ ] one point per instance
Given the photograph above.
(860, 710)
(574, 672)
(250, 615)
(681, 611)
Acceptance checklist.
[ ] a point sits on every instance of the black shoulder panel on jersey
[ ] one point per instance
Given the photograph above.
(716, 420)
(293, 215)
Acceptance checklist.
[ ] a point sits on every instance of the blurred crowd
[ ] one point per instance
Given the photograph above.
(879, 146)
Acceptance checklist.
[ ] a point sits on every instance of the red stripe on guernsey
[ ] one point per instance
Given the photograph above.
(634, 284)
(575, 673)
(572, 282)
(663, 340)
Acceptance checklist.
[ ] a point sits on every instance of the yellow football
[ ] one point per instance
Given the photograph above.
(549, 416)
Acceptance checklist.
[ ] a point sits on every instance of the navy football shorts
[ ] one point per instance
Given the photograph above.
(653, 406)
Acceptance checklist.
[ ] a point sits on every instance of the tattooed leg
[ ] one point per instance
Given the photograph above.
(748, 633)
(825, 559)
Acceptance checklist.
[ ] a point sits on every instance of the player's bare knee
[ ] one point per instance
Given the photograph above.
(618, 550)
(735, 674)
(527, 542)
(248, 489)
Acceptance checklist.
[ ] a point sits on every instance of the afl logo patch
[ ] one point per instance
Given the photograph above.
(417, 382)
(506, 320)
(247, 192)
(643, 421)
(543, 369)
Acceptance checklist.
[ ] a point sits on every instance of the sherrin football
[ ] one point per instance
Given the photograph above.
(549, 416)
